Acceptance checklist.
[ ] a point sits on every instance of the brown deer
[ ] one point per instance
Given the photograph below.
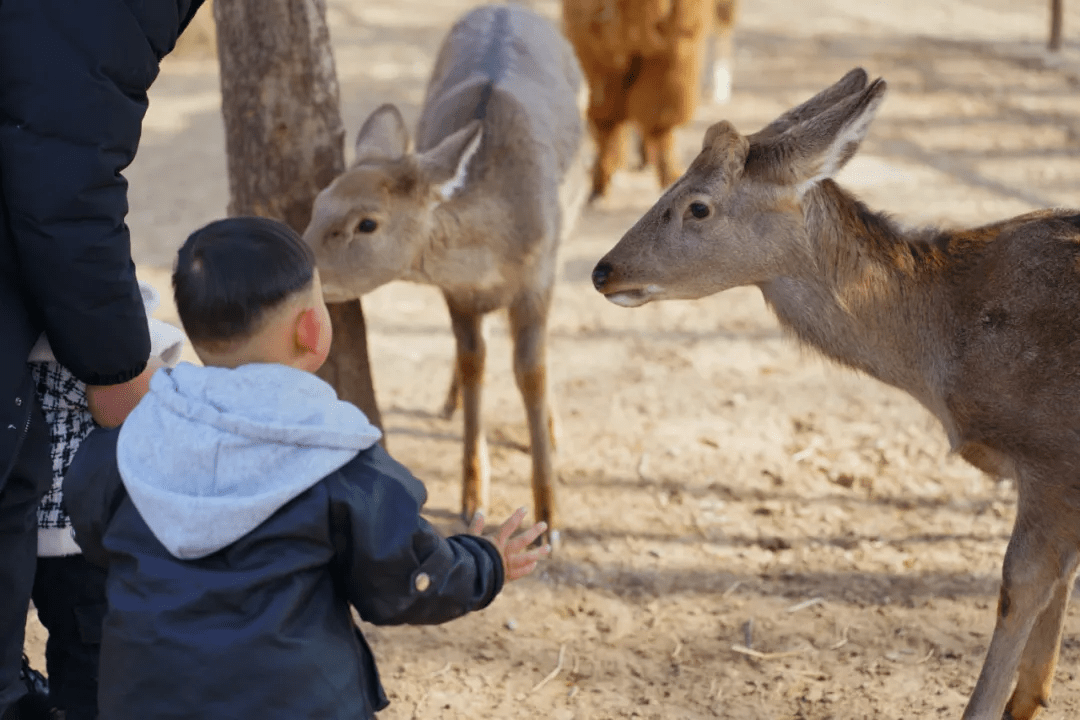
(982, 326)
(478, 209)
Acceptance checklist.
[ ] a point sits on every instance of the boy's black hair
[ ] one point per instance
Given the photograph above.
(230, 272)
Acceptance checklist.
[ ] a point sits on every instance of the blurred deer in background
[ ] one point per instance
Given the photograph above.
(981, 325)
(478, 210)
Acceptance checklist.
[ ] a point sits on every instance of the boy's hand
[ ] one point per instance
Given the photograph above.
(518, 560)
(110, 404)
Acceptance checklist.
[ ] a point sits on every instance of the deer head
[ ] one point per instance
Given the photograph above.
(736, 217)
(372, 223)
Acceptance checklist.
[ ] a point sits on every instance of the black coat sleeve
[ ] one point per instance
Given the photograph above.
(93, 491)
(396, 568)
(73, 92)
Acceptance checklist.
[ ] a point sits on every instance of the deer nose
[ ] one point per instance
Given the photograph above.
(600, 274)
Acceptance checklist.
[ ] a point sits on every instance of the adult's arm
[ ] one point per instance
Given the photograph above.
(73, 83)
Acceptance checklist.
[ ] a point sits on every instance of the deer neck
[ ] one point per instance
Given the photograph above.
(459, 251)
(862, 297)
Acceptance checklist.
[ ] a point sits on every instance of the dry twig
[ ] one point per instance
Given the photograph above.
(743, 650)
(843, 639)
(805, 604)
(551, 675)
(445, 669)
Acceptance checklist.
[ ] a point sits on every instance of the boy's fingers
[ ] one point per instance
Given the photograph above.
(532, 533)
(532, 556)
(526, 538)
(507, 529)
(477, 526)
(520, 571)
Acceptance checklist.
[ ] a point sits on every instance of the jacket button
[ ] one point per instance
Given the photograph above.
(422, 582)
(18, 402)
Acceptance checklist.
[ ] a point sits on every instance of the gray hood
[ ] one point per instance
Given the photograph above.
(210, 453)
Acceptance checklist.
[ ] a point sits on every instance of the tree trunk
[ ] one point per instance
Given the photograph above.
(1055, 24)
(285, 141)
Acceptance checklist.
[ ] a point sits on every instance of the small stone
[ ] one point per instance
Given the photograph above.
(511, 624)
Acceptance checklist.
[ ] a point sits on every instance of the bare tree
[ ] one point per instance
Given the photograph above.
(285, 142)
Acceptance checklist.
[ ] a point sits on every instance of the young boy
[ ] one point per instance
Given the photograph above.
(242, 509)
(69, 592)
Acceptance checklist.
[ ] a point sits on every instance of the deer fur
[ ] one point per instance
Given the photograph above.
(981, 325)
(642, 60)
(478, 210)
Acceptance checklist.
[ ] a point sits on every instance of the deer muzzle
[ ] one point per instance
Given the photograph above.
(603, 277)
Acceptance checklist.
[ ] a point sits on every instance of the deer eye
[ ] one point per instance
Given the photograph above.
(367, 225)
(699, 210)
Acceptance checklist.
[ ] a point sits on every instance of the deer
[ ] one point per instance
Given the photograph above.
(478, 209)
(980, 325)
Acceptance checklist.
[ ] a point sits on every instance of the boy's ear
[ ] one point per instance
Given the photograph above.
(308, 330)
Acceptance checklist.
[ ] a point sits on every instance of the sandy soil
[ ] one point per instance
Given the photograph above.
(719, 487)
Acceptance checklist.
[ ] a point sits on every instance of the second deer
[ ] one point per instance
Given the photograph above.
(478, 210)
(981, 325)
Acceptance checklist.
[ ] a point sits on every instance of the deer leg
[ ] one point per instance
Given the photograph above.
(453, 395)
(610, 141)
(719, 54)
(717, 76)
(607, 119)
(469, 374)
(1029, 610)
(528, 323)
(660, 145)
(1040, 657)
(643, 153)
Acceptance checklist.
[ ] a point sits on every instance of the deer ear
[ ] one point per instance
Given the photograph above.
(446, 165)
(820, 146)
(853, 82)
(726, 149)
(383, 136)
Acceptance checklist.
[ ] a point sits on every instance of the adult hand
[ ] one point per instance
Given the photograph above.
(518, 560)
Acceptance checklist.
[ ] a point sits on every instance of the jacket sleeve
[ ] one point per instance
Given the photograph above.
(92, 491)
(73, 93)
(396, 568)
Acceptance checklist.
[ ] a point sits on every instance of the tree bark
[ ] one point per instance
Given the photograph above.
(284, 141)
(1056, 7)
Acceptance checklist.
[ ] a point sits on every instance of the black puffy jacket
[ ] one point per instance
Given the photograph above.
(262, 628)
(73, 84)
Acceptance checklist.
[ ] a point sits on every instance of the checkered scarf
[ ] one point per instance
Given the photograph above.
(63, 399)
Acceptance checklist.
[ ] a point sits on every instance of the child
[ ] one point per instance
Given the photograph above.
(69, 592)
(242, 509)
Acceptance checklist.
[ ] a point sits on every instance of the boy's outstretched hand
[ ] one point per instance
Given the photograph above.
(518, 559)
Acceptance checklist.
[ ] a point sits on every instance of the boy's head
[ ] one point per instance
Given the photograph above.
(247, 291)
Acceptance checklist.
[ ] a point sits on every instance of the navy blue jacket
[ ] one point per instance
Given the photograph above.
(73, 82)
(262, 628)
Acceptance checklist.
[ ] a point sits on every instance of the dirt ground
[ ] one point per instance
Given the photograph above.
(720, 488)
